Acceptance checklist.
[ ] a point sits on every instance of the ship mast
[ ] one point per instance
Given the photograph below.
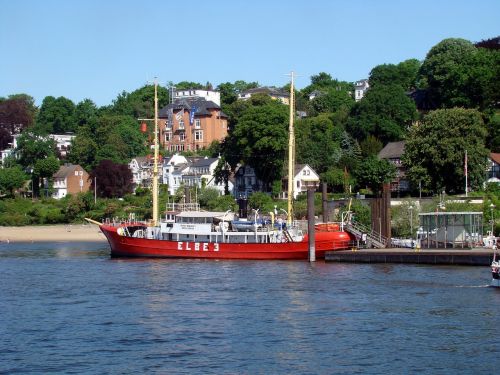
(155, 165)
(291, 154)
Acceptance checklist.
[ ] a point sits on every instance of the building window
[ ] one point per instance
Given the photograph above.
(182, 136)
(197, 123)
(198, 135)
(181, 124)
(168, 136)
(168, 124)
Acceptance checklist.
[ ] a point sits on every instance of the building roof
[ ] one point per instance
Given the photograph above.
(266, 90)
(204, 162)
(67, 170)
(202, 107)
(392, 150)
(495, 157)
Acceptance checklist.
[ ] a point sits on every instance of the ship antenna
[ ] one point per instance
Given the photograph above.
(155, 165)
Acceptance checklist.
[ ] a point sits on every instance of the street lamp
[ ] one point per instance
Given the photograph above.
(492, 206)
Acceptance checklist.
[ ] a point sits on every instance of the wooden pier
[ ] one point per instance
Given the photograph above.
(470, 257)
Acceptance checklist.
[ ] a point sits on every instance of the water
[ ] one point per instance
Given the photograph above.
(69, 308)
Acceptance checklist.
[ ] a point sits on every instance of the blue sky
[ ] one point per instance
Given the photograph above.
(96, 48)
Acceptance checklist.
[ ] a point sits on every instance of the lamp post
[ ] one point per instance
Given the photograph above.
(492, 206)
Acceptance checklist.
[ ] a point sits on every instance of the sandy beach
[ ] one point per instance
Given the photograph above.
(52, 233)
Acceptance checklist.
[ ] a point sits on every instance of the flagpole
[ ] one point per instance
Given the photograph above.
(155, 165)
(466, 172)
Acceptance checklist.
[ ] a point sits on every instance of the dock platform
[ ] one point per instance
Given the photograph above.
(470, 257)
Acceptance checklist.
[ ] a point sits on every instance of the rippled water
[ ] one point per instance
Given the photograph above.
(69, 308)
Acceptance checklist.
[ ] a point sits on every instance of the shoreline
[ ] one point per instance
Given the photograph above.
(52, 233)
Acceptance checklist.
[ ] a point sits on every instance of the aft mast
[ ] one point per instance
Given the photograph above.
(291, 154)
(155, 165)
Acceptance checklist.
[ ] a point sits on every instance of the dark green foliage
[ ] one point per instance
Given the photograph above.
(374, 172)
(261, 201)
(435, 150)
(56, 116)
(139, 103)
(11, 179)
(317, 143)
(403, 74)
(260, 140)
(385, 112)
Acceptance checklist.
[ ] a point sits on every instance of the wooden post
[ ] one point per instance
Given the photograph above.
(310, 225)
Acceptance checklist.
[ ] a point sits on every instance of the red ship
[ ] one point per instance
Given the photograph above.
(199, 234)
(216, 235)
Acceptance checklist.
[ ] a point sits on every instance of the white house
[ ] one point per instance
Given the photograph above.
(63, 142)
(142, 169)
(201, 172)
(304, 177)
(360, 89)
(172, 170)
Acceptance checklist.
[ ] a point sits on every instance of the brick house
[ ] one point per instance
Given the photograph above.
(70, 179)
(191, 124)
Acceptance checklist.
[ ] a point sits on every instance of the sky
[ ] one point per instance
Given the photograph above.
(98, 48)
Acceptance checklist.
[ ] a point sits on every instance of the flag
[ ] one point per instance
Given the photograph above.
(179, 114)
(191, 115)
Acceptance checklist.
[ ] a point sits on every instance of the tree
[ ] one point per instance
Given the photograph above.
(317, 143)
(371, 146)
(56, 116)
(17, 113)
(11, 179)
(86, 113)
(45, 169)
(435, 150)
(375, 172)
(385, 112)
(113, 180)
(83, 149)
(260, 140)
(446, 70)
(139, 103)
(229, 91)
(331, 101)
(404, 74)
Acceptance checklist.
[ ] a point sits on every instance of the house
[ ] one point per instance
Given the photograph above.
(70, 179)
(191, 124)
(304, 178)
(246, 182)
(274, 93)
(360, 89)
(201, 173)
(315, 94)
(208, 95)
(493, 172)
(392, 152)
(63, 142)
(142, 171)
(172, 170)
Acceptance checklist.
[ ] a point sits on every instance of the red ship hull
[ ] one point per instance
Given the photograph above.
(122, 246)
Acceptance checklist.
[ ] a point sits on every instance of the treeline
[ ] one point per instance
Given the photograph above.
(441, 106)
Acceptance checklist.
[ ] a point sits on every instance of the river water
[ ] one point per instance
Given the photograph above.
(69, 308)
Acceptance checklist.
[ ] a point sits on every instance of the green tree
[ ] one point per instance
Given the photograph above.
(448, 70)
(435, 150)
(403, 74)
(385, 112)
(260, 140)
(83, 149)
(86, 113)
(317, 143)
(374, 173)
(56, 116)
(11, 179)
(139, 103)
(45, 169)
